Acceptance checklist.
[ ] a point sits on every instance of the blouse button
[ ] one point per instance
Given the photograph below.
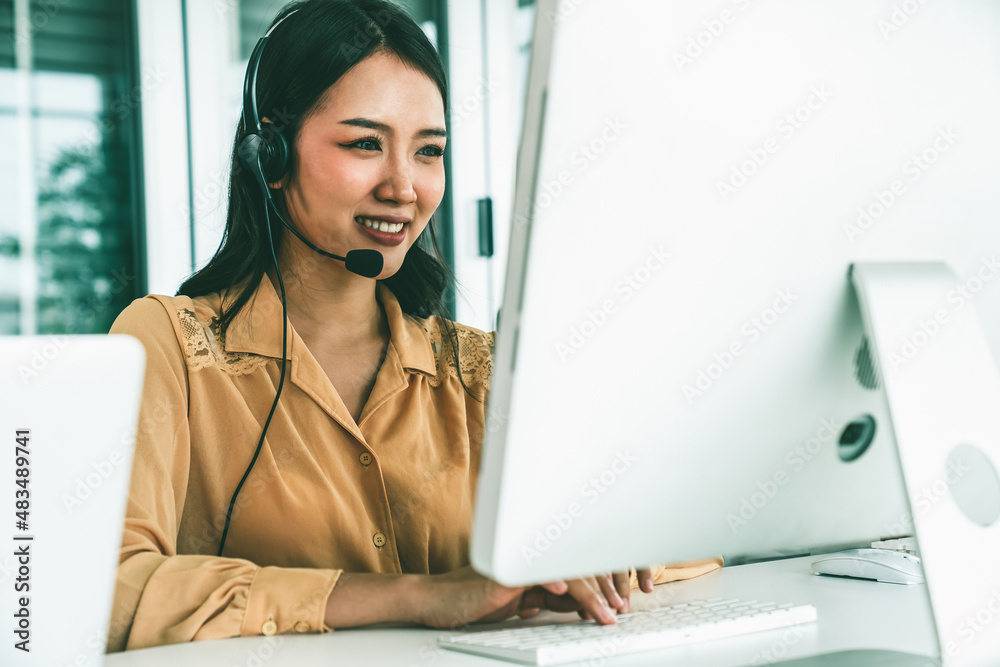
(302, 626)
(365, 459)
(270, 627)
(379, 540)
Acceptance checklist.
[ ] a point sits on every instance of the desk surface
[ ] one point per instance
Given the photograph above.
(852, 614)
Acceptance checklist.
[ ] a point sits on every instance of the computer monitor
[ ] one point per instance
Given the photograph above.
(681, 352)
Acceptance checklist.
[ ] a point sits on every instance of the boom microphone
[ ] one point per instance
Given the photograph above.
(364, 262)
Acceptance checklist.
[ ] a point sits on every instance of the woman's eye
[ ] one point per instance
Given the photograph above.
(366, 144)
(431, 151)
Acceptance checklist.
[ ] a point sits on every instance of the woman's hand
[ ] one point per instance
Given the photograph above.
(599, 597)
(464, 596)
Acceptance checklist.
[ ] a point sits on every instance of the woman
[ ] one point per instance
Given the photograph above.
(358, 508)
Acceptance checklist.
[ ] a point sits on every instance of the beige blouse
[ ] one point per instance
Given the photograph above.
(390, 493)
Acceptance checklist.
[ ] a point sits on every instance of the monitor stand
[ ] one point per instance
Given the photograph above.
(944, 402)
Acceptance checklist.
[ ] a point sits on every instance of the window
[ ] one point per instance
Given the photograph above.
(70, 229)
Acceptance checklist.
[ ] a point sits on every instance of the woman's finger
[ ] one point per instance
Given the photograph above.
(542, 598)
(587, 592)
(623, 584)
(645, 577)
(610, 591)
(556, 587)
(535, 598)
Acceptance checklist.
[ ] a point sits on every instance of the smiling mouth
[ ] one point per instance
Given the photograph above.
(381, 226)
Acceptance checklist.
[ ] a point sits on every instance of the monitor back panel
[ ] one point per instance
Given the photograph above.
(680, 348)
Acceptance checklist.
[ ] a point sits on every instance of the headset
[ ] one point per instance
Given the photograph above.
(266, 152)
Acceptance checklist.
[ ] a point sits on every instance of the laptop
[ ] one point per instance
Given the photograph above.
(69, 408)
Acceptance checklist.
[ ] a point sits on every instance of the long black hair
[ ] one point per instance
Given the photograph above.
(318, 44)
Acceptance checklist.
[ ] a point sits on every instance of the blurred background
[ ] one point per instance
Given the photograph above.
(116, 122)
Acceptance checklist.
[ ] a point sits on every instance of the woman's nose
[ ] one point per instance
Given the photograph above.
(397, 183)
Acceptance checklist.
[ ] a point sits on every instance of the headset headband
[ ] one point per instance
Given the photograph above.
(250, 82)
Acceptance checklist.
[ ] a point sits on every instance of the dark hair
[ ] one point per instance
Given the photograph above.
(318, 44)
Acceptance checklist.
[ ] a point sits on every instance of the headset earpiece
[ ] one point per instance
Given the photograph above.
(276, 153)
(266, 155)
(264, 150)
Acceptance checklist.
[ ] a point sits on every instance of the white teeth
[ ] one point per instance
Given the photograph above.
(382, 226)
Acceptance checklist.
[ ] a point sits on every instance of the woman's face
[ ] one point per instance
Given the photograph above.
(370, 170)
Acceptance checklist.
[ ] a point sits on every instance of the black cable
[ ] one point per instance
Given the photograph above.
(281, 381)
(256, 166)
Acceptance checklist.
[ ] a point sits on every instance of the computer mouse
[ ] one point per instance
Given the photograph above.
(885, 565)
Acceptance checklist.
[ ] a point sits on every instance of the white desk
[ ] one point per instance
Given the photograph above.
(852, 614)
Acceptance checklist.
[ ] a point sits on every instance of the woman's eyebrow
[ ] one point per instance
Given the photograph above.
(382, 127)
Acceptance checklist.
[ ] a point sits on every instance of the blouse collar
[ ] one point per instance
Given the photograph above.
(257, 329)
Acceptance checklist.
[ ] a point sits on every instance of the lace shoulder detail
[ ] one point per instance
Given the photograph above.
(475, 355)
(204, 348)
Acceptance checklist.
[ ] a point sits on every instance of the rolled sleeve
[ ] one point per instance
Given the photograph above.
(663, 574)
(285, 599)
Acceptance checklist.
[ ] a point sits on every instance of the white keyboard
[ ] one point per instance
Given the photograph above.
(638, 631)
